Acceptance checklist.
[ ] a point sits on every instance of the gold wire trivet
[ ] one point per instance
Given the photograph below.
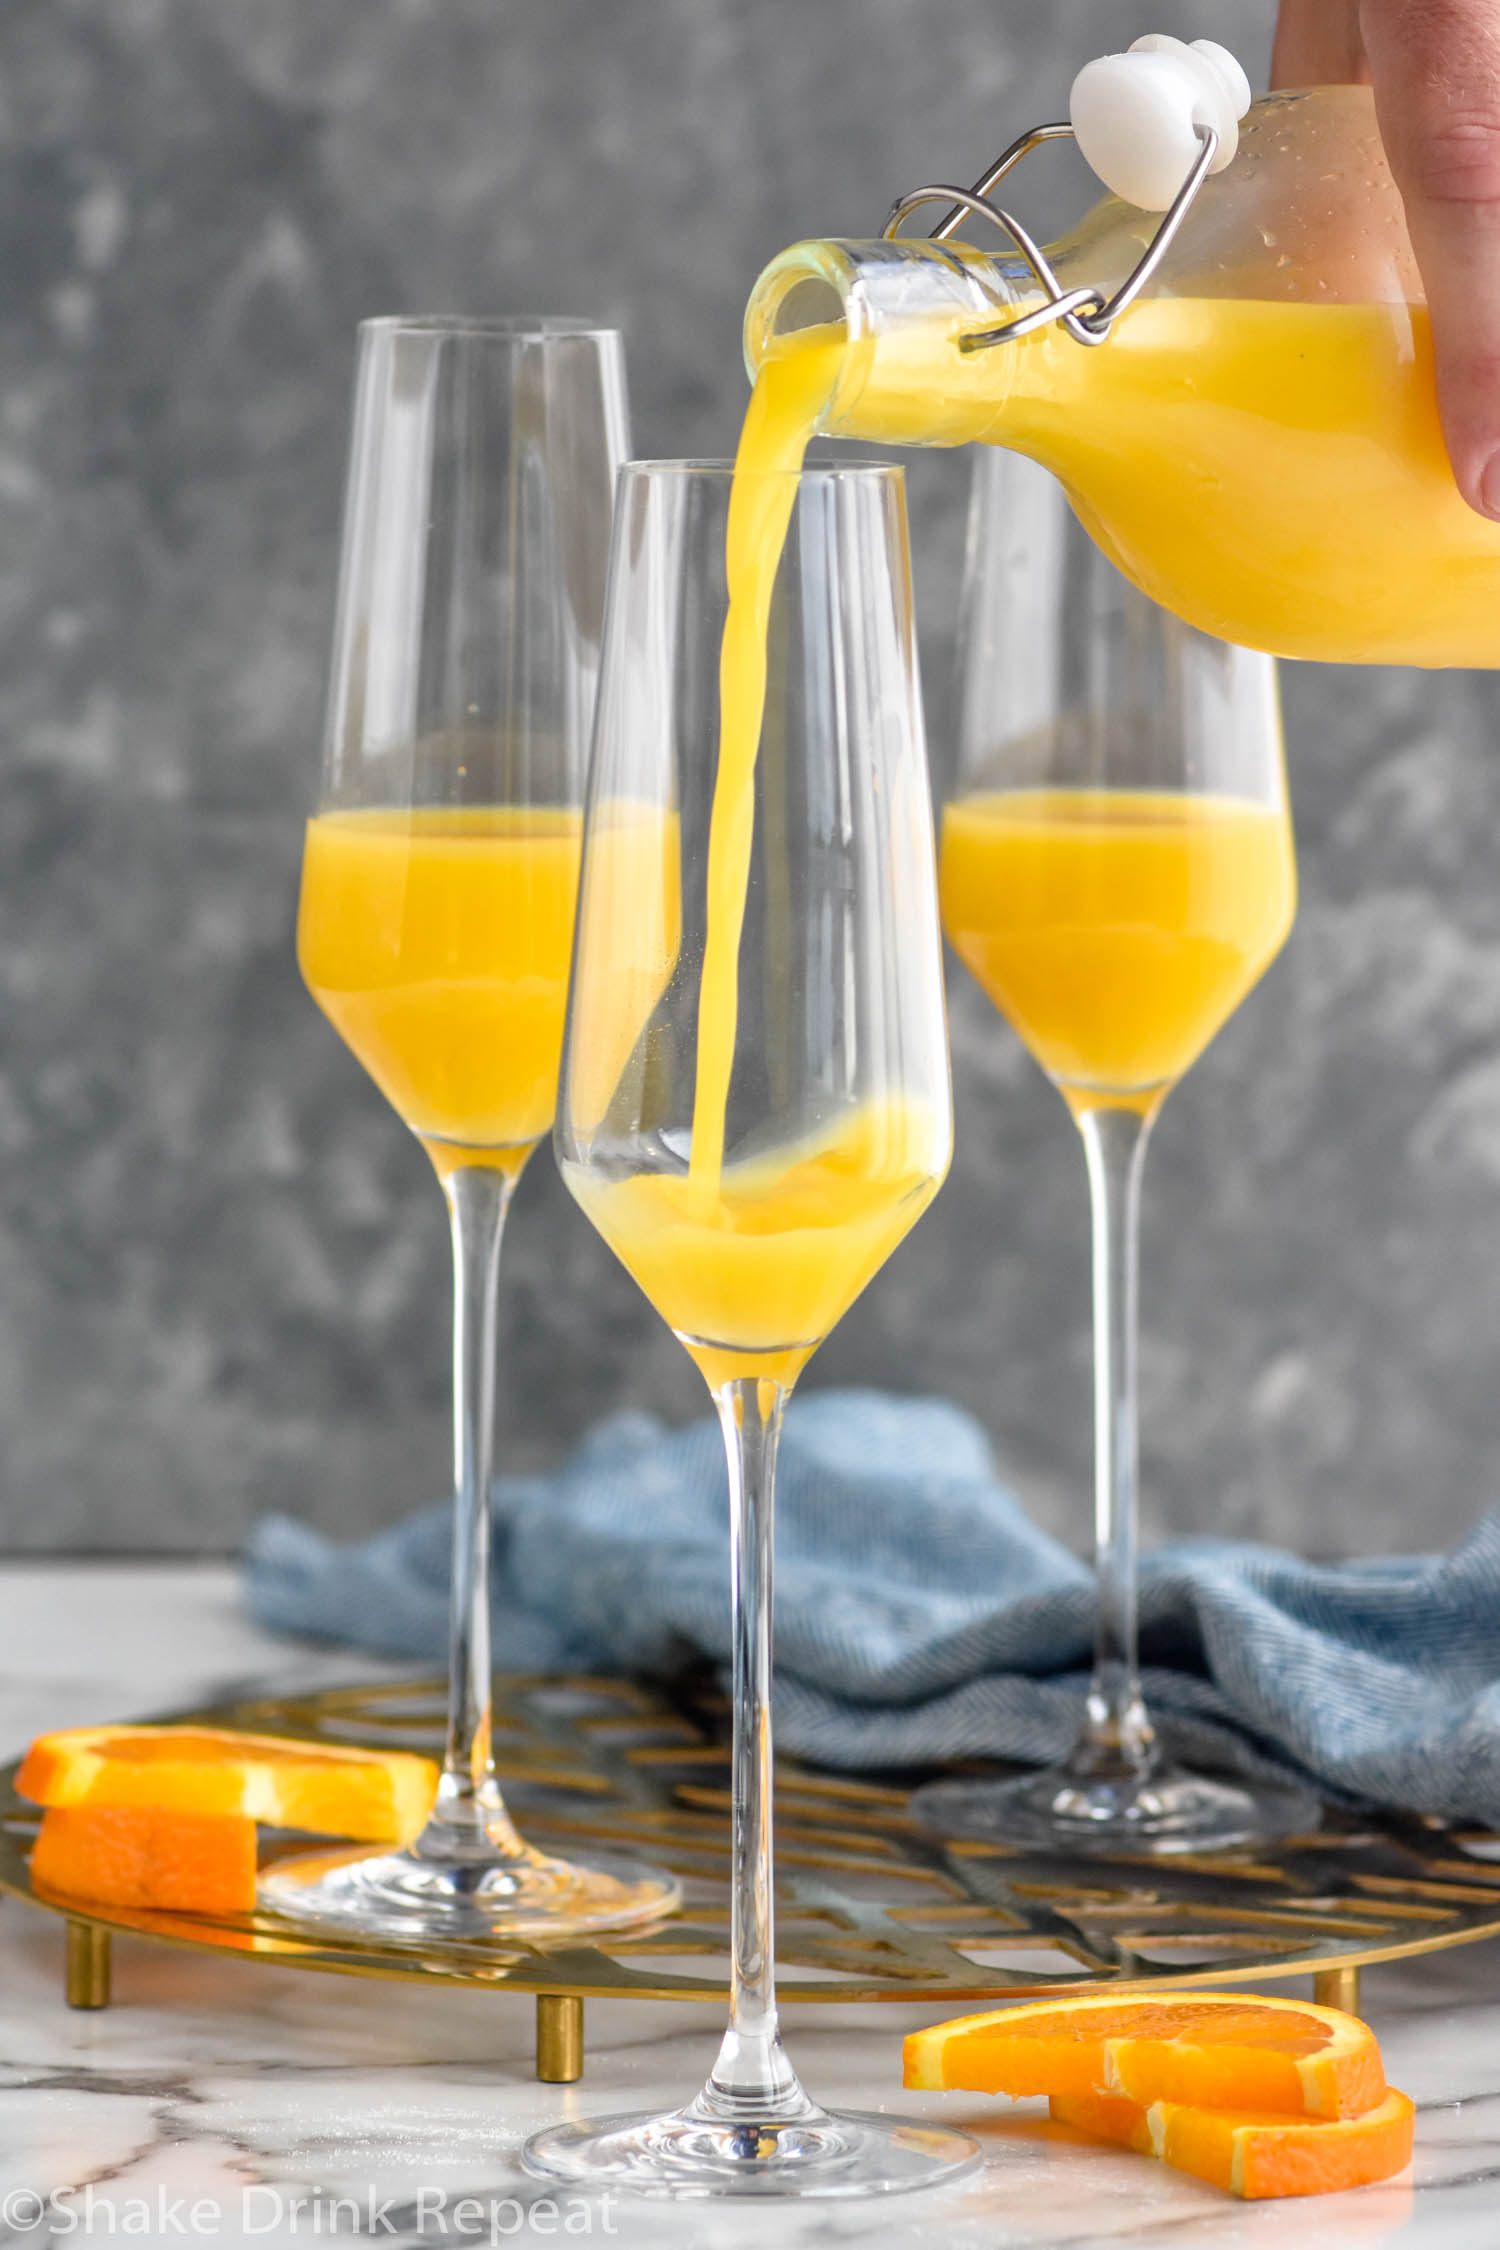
(869, 1907)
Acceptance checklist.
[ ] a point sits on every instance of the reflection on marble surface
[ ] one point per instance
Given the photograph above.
(213, 2095)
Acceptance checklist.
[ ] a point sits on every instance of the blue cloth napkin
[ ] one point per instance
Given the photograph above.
(921, 1616)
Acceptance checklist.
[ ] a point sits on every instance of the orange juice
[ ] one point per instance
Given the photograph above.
(783, 412)
(752, 1278)
(1115, 929)
(1275, 473)
(1272, 471)
(631, 928)
(437, 942)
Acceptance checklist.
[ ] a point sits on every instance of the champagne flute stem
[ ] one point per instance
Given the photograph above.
(469, 1818)
(752, 2078)
(1117, 1737)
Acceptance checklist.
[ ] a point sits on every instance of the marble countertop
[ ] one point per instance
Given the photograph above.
(219, 2101)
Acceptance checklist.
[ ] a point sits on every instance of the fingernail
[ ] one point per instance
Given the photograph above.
(1489, 487)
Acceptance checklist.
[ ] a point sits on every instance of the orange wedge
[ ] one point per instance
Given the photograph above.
(370, 1795)
(1215, 2050)
(135, 1855)
(1253, 2153)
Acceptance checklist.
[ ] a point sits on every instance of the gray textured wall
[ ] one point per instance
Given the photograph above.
(222, 1263)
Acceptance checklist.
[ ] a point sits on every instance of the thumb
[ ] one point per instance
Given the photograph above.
(1436, 70)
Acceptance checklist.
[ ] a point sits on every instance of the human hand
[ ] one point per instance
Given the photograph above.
(1435, 68)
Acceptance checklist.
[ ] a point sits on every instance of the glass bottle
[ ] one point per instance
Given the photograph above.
(1256, 440)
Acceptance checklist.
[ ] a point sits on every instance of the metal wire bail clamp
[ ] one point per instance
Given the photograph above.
(1086, 313)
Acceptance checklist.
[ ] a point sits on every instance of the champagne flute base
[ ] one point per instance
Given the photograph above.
(1160, 1810)
(410, 1898)
(813, 2153)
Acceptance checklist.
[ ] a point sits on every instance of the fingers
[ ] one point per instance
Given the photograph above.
(1318, 44)
(1436, 71)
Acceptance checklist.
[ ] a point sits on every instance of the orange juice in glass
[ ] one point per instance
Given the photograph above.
(436, 941)
(1116, 929)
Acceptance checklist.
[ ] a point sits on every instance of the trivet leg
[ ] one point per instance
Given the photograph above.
(87, 1984)
(1337, 1988)
(559, 2038)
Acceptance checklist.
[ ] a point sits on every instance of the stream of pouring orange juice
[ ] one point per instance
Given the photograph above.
(785, 407)
(752, 1262)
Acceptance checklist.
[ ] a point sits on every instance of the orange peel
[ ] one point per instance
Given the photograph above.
(138, 1855)
(1249, 2153)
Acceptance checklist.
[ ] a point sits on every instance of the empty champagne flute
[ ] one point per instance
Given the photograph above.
(755, 1107)
(1117, 871)
(438, 890)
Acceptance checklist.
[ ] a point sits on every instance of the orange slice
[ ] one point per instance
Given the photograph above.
(370, 1795)
(1216, 2050)
(1253, 2153)
(136, 1855)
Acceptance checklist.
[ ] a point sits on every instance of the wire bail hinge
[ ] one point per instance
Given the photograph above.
(1086, 313)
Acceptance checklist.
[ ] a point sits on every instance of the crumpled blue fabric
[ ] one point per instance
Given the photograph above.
(921, 1616)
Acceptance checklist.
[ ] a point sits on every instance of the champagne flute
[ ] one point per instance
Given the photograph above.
(438, 892)
(755, 1106)
(1117, 871)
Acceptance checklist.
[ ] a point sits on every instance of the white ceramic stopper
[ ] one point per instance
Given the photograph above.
(1136, 115)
